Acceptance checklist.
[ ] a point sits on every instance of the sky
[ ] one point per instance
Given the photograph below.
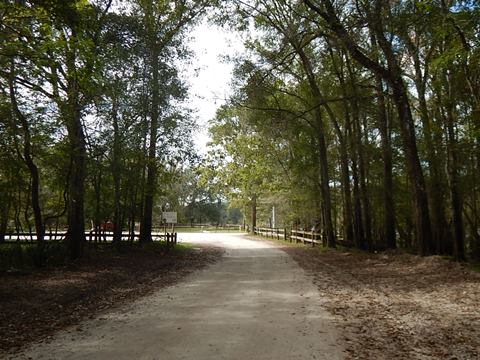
(209, 76)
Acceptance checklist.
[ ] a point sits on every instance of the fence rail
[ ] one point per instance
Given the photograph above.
(272, 232)
(106, 236)
(299, 236)
(306, 236)
(226, 227)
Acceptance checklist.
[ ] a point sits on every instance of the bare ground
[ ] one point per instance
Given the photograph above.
(34, 306)
(387, 306)
(396, 305)
(256, 303)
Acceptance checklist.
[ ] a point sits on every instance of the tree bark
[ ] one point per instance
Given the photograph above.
(357, 142)
(358, 233)
(116, 173)
(322, 149)
(72, 113)
(28, 159)
(3, 224)
(388, 206)
(453, 180)
(419, 197)
(393, 76)
(439, 230)
(97, 187)
(254, 213)
(348, 233)
(76, 218)
(154, 49)
(347, 194)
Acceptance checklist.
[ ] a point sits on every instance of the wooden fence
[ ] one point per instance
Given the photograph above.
(299, 236)
(310, 237)
(91, 236)
(274, 233)
(224, 227)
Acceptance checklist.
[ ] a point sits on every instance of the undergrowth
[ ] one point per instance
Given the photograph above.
(19, 257)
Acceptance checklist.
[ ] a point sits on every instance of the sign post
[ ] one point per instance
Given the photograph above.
(170, 218)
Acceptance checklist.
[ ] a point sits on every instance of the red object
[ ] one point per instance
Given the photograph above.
(106, 226)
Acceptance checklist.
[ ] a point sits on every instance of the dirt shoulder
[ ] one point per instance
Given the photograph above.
(35, 306)
(396, 305)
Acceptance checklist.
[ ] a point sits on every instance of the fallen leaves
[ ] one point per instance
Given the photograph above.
(396, 305)
(35, 306)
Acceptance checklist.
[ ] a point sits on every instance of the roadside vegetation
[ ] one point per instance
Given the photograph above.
(358, 120)
(96, 135)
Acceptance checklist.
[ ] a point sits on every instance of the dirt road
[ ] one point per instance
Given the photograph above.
(256, 303)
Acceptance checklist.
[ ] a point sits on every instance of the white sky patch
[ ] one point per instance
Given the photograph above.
(210, 76)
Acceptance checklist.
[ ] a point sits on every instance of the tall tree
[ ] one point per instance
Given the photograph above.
(393, 75)
(164, 21)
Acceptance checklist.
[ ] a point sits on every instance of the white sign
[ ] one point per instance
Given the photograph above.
(170, 217)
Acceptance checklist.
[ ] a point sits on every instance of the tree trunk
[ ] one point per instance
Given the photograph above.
(343, 137)
(4, 220)
(76, 218)
(419, 197)
(453, 181)
(254, 213)
(388, 206)
(71, 111)
(116, 173)
(358, 233)
(360, 158)
(154, 49)
(455, 198)
(322, 149)
(439, 231)
(393, 76)
(347, 194)
(324, 183)
(28, 159)
(97, 187)
(365, 206)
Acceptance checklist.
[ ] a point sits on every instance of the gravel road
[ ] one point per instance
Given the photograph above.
(255, 303)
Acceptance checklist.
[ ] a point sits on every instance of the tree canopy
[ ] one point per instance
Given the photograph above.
(365, 118)
(357, 118)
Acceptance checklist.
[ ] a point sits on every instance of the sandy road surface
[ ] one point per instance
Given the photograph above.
(255, 303)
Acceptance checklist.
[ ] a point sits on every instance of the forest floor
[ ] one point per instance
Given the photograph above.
(34, 306)
(396, 305)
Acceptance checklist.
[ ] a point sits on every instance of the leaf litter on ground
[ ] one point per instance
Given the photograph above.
(36, 305)
(395, 305)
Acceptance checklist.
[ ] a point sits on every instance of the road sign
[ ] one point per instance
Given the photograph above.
(170, 217)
